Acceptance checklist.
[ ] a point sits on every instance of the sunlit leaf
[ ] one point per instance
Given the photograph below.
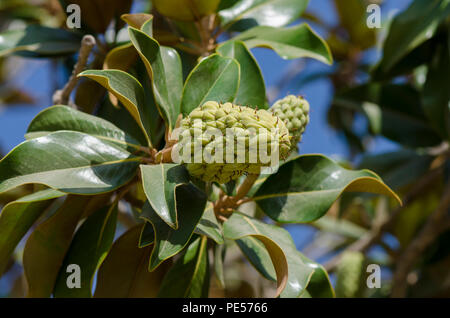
(252, 90)
(248, 13)
(163, 65)
(304, 189)
(160, 183)
(290, 43)
(215, 78)
(68, 161)
(127, 90)
(61, 117)
(209, 226)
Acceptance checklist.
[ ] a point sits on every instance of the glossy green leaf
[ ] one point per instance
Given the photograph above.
(209, 226)
(168, 242)
(304, 189)
(215, 78)
(290, 43)
(61, 117)
(255, 251)
(293, 274)
(163, 65)
(320, 284)
(393, 110)
(121, 118)
(88, 249)
(411, 28)
(39, 41)
(127, 90)
(248, 13)
(17, 217)
(436, 91)
(124, 272)
(46, 247)
(252, 90)
(147, 236)
(160, 182)
(189, 276)
(68, 161)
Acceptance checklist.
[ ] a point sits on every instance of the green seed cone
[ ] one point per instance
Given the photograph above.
(349, 274)
(294, 112)
(214, 127)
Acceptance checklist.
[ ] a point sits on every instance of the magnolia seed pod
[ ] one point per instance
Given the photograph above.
(294, 112)
(221, 142)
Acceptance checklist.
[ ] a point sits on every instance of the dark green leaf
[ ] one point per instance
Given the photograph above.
(163, 65)
(39, 41)
(252, 90)
(160, 182)
(411, 28)
(127, 90)
(393, 110)
(147, 236)
(258, 256)
(215, 78)
(290, 43)
(304, 189)
(189, 276)
(168, 242)
(209, 226)
(436, 91)
(68, 161)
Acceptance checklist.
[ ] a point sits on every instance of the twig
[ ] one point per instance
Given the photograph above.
(377, 231)
(226, 204)
(62, 96)
(432, 229)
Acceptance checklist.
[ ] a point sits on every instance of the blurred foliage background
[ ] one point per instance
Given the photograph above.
(382, 105)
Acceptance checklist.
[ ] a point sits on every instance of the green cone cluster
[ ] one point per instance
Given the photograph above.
(215, 128)
(294, 112)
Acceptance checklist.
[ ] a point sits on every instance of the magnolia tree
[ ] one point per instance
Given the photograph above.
(162, 159)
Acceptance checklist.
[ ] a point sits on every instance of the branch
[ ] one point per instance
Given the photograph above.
(378, 230)
(432, 229)
(62, 96)
(226, 204)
